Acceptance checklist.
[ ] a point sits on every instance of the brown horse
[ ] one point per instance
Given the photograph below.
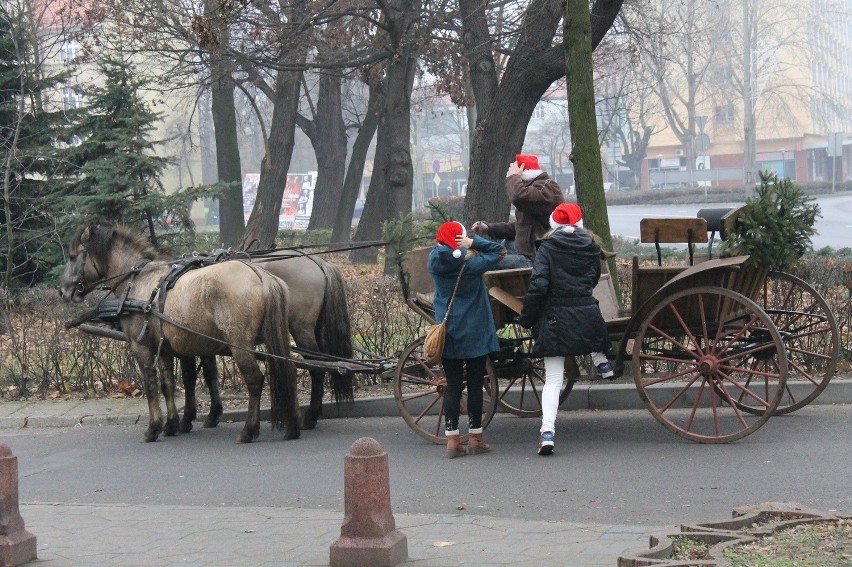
(319, 323)
(224, 308)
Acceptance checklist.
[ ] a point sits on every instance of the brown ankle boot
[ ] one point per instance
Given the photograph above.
(454, 447)
(476, 445)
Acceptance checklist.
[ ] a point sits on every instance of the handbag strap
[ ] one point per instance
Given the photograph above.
(455, 289)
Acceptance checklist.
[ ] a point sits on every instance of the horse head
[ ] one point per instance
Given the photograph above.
(86, 261)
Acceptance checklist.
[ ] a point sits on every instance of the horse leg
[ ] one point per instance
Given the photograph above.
(253, 378)
(189, 378)
(145, 358)
(305, 339)
(167, 386)
(314, 412)
(211, 378)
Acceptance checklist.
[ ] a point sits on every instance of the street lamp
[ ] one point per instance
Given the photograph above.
(783, 162)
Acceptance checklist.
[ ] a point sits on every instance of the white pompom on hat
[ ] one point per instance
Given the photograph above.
(447, 234)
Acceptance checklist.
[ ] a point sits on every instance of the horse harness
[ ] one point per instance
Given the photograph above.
(110, 310)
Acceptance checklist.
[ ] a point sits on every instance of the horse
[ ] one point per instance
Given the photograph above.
(319, 322)
(224, 308)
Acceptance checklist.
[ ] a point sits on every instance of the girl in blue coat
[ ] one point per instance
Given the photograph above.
(471, 334)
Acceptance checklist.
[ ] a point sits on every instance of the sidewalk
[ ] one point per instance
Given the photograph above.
(71, 535)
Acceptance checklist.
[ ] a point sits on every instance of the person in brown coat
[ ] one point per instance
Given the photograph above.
(535, 195)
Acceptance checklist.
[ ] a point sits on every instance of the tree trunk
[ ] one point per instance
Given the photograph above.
(390, 192)
(228, 168)
(342, 231)
(330, 149)
(262, 227)
(588, 175)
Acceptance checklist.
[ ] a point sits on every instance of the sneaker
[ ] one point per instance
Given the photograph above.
(545, 444)
(605, 370)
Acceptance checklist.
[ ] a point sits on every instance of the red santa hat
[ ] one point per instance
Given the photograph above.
(531, 168)
(447, 234)
(566, 214)
(527, 161)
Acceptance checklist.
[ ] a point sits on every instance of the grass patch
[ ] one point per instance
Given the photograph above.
(822, 544)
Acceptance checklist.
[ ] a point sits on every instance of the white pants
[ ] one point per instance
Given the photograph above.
(554, 372)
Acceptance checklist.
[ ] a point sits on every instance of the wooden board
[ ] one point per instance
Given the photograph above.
(673, 230)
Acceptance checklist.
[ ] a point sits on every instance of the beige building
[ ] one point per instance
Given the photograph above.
(800, 88)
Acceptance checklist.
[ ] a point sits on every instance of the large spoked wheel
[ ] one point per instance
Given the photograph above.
(521, 377)
(693, 358)
(811, 338)
(419, 391)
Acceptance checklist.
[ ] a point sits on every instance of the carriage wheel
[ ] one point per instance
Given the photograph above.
(419, 391)
(811, 338)
(521, 378)
(692, 362)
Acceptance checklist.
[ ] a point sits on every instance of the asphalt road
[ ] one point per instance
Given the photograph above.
(834, 227)
(610, 466)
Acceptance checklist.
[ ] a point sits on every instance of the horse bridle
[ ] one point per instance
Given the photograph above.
(81, 287)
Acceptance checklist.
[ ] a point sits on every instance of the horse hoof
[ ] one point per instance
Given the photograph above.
(208, 423)
(249, 435)
(309, 424)
(171, 429)
(151, 437)
(293, 433)
(185, 427)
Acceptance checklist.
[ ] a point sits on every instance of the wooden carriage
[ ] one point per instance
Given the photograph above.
(714, 346)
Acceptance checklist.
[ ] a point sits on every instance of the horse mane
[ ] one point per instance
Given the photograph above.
(101, 237)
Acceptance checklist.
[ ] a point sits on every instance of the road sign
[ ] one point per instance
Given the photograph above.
(835, 144)
(436, 166)
(436, 180)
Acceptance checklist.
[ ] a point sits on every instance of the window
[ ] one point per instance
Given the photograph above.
(69, 50)
(71, 99)
(724, 113)
(538, 111)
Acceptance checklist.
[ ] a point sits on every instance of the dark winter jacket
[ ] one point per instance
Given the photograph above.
(470, 327)
(534, 200)
(559, 306)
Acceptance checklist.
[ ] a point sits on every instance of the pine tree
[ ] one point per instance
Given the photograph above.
(29, 243)
(118, 172)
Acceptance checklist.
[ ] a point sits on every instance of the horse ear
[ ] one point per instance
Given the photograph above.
(87, 233)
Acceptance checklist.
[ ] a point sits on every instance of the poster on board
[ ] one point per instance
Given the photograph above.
(297, 200)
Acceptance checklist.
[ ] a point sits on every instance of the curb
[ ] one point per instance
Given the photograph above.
(596, 397)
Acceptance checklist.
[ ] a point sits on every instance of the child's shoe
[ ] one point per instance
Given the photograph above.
(545, 443)
(605, 370)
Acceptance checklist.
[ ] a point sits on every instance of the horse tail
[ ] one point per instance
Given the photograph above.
(334, 329)
(275, 334)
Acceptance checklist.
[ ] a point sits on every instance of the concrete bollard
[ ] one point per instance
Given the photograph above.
(17, 545)
(368, 535)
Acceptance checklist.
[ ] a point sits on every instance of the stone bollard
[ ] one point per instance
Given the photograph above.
(368, 535)
(17, 545)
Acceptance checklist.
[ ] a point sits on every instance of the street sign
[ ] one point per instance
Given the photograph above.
(436, 180)
(436, 166)
(835, 144)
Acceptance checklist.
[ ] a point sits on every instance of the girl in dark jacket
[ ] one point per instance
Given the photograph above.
(560, 309)
(471, 334)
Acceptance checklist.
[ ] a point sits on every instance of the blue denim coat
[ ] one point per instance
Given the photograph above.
(470, 327)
